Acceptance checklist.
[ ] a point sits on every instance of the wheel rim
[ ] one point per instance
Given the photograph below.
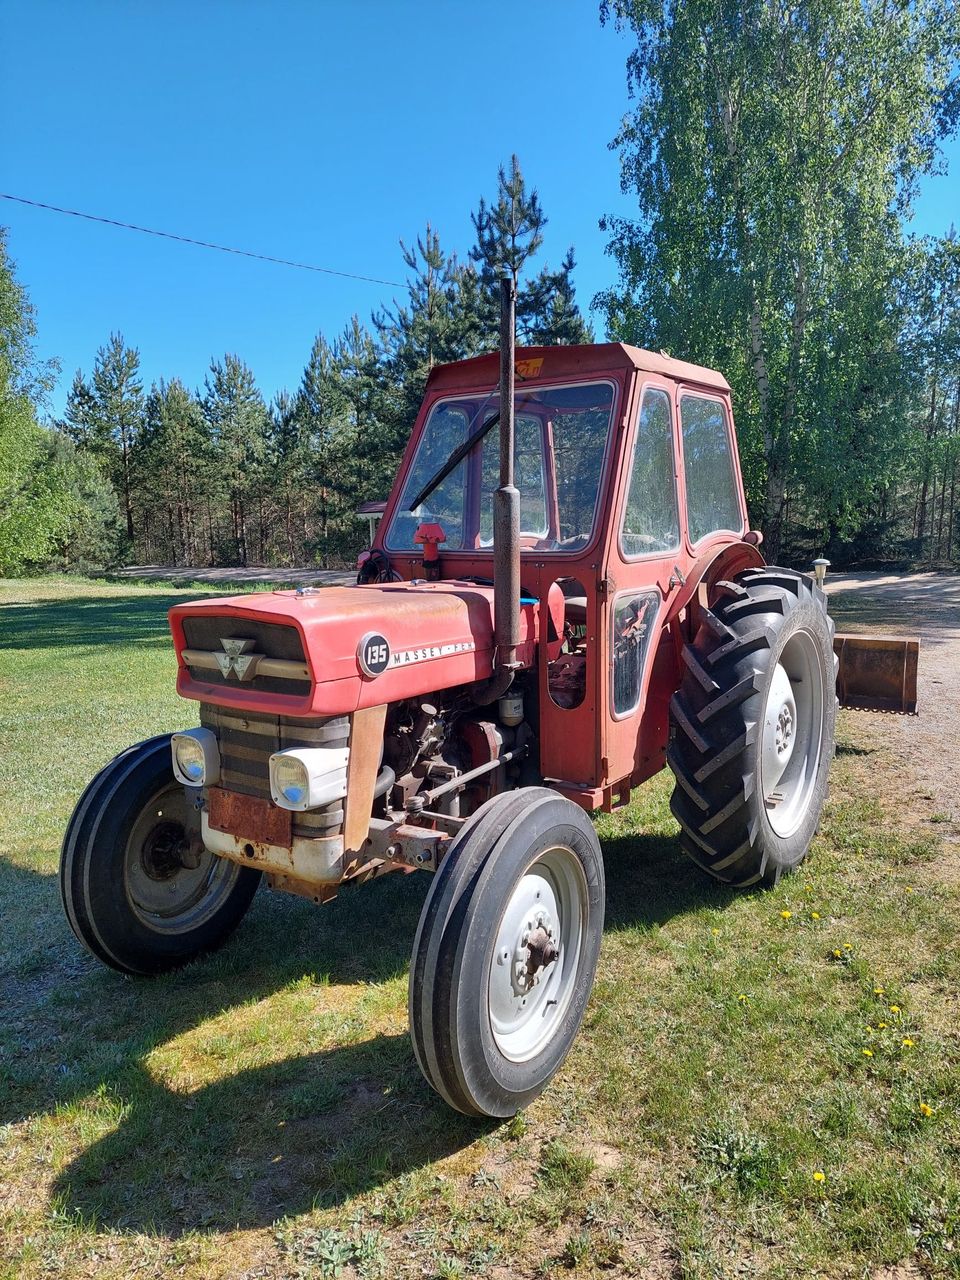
(164, 894)
(535, 960)
(792, 740)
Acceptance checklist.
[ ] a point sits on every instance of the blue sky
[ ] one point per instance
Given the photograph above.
(316, 131)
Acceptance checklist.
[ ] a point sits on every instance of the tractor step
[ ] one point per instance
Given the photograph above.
(877, 673)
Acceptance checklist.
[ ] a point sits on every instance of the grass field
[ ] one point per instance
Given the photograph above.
(765, 1085)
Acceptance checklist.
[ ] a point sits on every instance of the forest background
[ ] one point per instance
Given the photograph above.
(773, 152)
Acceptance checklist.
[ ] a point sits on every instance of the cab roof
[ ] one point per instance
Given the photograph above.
(574, 361)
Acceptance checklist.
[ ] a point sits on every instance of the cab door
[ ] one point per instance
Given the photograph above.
(645, 555)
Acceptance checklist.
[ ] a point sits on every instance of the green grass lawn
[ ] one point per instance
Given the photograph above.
(765, 1085)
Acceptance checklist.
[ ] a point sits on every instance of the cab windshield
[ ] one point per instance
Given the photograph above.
(561, 439)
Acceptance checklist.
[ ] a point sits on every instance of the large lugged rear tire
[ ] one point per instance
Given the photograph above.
(130, 896)
(506, 952)
(752, 727)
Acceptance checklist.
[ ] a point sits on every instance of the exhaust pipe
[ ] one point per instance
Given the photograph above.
(506, 515)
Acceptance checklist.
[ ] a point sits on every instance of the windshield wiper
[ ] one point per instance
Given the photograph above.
(454, 460)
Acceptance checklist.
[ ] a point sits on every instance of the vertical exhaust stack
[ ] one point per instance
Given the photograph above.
(506, 515)
(506, 500)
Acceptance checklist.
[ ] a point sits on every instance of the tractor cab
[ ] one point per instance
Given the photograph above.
(627, 474)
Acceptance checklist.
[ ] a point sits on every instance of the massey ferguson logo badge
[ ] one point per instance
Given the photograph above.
(236, 661)
(373, 654)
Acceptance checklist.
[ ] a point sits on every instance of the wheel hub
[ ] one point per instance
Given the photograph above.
(784, 731)
(535, 951)
(779, 729)
(171, 882)
(161, 853)
(538, 943)
(792, 732)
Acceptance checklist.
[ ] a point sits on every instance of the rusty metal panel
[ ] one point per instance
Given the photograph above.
(366, 748)
(877, 673)
(249, 817)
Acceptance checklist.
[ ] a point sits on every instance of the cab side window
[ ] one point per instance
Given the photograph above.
(651, 522)
(713, 502)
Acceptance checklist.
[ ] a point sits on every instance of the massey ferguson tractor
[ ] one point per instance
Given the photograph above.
(562, 597)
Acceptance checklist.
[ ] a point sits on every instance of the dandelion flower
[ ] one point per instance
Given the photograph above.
(848, 946)
(743, 999)
(814, 915)
(867, 1053)
(879, 991)
(907, 1042)
(894, 1008)
(926, 1109)
(909, 888)
(714, 932)
(819, 1175)
(786, 914)
(881, 1026)
(838, 953)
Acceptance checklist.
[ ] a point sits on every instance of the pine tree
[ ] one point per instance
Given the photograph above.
(105, 417)
(550, 315)
(173, 466)
(237, 420)
(509, 235)
(319, 450)
(438, 324)
(359, 371)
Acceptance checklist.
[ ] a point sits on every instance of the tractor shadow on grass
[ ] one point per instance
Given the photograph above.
(312, 1129)
(650, 880)
(72, 1027)
(273, 1141)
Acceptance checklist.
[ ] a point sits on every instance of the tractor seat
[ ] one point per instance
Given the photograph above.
(574, 604)
(575, 610)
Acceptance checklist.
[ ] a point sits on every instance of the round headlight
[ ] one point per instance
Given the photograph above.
(290, 779)
(189, 758)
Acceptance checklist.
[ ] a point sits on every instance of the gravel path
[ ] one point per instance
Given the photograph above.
(925, 749)
(252, 574)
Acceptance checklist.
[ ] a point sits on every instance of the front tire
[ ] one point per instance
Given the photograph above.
(506, 951)
(131, 895)
(752, 727)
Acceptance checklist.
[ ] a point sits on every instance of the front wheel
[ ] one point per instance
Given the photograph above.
(139, 890)
(506, 952)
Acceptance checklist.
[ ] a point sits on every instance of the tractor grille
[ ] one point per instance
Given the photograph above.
(206, 633)
(247, 743)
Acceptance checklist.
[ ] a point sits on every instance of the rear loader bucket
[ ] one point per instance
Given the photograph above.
(877, 673)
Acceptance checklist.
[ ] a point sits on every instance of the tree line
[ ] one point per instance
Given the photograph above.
(774, 153)
(220, 476)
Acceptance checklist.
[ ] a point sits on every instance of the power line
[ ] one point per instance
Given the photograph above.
(202, 244)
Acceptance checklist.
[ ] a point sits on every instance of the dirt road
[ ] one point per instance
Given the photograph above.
(251, 575)
(925, 748)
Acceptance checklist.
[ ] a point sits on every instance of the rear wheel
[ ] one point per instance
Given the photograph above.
(139, 890)
(506, 952)
(752, 727)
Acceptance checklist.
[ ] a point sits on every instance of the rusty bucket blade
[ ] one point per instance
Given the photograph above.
(877, 673)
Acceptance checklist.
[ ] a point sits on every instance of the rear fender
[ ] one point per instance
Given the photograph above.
(715, 565)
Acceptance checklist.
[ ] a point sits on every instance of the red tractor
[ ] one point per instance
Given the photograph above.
(562, 597)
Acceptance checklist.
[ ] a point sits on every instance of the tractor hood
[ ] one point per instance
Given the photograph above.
(331, 650)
